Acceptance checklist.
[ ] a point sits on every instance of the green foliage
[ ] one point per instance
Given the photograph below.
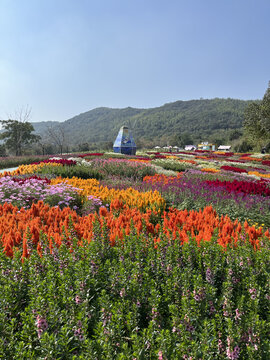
(181, 140)
(83, 172)
(244, 146)
(17, 135)
(194, 120)
(2, 150)
(171, 164)
(135, 301)
(257, 121)
(123, 169)
(13, 161)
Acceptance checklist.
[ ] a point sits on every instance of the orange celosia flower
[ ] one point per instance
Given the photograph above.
(267, 176)
(249, 158)
(61, 226)
(210, 170)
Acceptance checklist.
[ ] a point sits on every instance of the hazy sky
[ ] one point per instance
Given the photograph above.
(65, 57)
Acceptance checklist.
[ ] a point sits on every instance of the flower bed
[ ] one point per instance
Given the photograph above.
(56, 161)
(90, 154)
(246, 187)
(24, 192)
(137, 297)
(234, 169)
(59, 226)
(131, 197)
(192, 191)
(266, 162)
(114, 276)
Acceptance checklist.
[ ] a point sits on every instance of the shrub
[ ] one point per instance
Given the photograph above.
(83, 172)
(171, 164)
(123, 168)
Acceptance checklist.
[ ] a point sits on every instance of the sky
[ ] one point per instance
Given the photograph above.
(64, 57)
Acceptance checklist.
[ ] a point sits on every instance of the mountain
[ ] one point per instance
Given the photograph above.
(202, 119)
(42, 126)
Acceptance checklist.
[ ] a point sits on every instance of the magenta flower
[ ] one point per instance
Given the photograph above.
(41, 324)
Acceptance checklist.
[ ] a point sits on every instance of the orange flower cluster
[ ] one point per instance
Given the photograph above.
(43, 227)
(22, 228)
(8, 173)
(131, 197)
(201, 225)
(210, 170)
(201, 157)
(188, 161)
(161, 178)
(267, 176)
(249, 158)
(27, 169)
(140, 160)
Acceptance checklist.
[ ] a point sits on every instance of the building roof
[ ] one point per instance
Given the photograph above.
(224, 147)
(190, 147)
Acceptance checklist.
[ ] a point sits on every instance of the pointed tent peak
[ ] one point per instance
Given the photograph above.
(124, 142)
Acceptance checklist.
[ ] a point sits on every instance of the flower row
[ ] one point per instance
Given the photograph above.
(26, 228)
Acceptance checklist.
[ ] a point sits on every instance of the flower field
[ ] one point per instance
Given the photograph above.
(155, 256)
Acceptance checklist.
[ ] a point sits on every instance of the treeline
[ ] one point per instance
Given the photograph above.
(178, 123)
(220, 121)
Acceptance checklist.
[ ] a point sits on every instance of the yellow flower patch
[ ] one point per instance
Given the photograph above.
(130, 197)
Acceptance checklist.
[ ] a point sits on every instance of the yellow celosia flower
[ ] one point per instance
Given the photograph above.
(131, 197)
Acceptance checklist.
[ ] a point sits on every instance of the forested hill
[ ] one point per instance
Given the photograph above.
(201, 119)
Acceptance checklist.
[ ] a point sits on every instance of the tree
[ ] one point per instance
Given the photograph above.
(265, 112)
(18, 133)
(83, 147)
(182, 139)
(2, 150)
(58, 136)
(257, 120)
(235, 134)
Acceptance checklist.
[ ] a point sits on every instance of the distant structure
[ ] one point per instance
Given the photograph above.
(206, 146)
(124, 142)
(224, 147)
(190, 147)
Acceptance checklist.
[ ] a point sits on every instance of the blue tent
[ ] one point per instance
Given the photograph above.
(124, 142)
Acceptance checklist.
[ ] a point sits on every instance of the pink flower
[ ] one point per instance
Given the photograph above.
(122, 292)
(238, 314)
(78, 300)
(42, 325)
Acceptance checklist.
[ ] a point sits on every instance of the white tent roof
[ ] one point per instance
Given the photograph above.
(224, 147)
(190, 147)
